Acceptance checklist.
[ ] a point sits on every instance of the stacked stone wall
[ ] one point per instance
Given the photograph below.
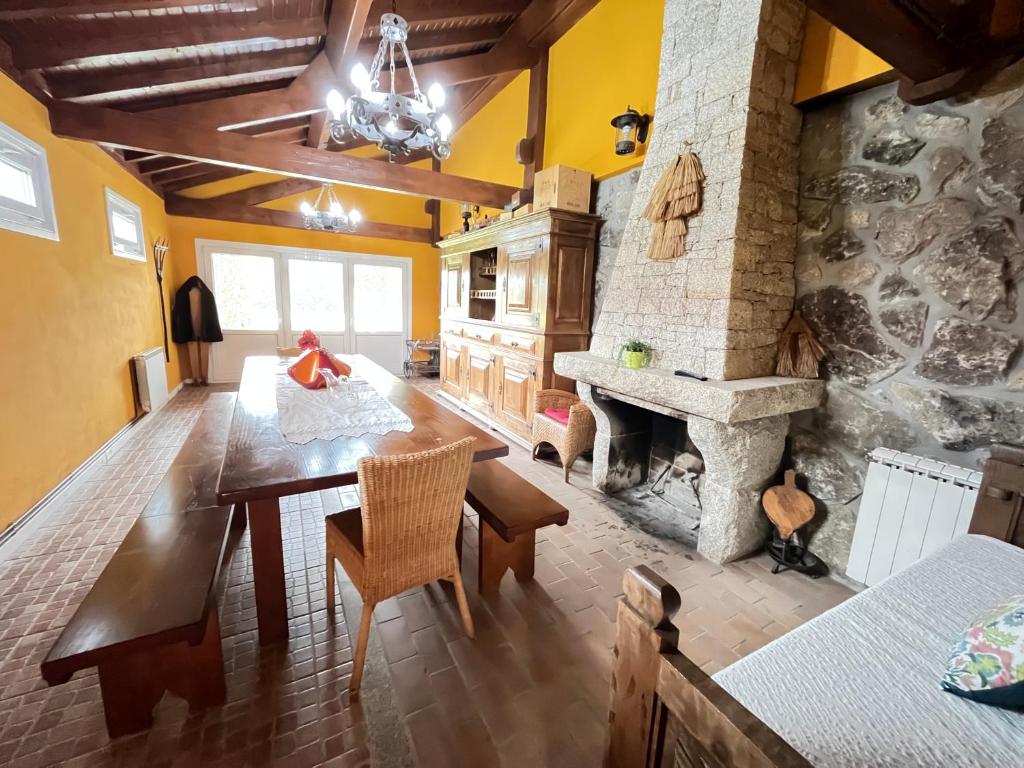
(909, 268)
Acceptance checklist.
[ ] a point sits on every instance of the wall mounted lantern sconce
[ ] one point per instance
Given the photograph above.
(630, 130)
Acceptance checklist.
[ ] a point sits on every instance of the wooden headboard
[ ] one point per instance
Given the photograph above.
(999, 511)
(665, 711)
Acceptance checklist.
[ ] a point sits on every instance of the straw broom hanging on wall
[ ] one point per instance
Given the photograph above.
(678, 195)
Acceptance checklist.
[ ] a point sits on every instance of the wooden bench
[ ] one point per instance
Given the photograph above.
(149, 623)
(511, 510)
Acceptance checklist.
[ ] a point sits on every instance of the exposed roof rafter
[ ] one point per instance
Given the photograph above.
(119, 129)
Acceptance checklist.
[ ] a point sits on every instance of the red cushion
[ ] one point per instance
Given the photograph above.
(558, 414)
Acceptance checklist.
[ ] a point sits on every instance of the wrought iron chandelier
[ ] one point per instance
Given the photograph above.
(331, 218)
(396, 123)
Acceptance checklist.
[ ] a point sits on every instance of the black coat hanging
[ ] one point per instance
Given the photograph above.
(181, 315)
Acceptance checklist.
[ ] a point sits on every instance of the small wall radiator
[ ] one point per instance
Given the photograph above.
(911, 506)
(151, 378)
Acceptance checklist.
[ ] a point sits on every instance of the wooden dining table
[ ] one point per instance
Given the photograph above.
(260, 466)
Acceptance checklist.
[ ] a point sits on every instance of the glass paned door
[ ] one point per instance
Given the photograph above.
(268, 295)
(316, 301)
(246, 289)
(380, 299)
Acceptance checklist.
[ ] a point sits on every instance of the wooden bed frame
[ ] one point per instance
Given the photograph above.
(666, 712)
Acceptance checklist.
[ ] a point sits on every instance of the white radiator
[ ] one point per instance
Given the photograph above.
(911, 506)
(151, 377)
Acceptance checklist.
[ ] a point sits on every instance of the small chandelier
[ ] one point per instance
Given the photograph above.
(396, 123)
(331, 218)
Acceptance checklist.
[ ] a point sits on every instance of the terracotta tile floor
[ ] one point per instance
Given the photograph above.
(530, 690)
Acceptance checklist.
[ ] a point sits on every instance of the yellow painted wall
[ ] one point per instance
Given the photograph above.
(607, 61)
(830, 60)
(426, 267)
(485, 147)
(72, 316)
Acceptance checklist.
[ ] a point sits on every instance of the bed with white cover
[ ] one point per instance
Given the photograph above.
(864, 678)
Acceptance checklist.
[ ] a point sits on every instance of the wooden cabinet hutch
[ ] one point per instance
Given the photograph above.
(512, 295)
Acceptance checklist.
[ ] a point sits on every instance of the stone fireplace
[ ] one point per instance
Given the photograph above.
(725, 84)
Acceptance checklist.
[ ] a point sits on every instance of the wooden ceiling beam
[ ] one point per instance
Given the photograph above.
(466, 69)
(426, 11)
(482, 34)
(265, 193)
(275, 190)
(307, 94)
(301, 98)
(134, 172)
(188, 170)
(286, 63)
(161, 164)
(43, 9)
(177, 32)
(891, 31)
(266, 129)
(543, 22)
(319, 132)
(344, 30)
(532, 147)
(213, 208)
(213, 174)
(136, 131)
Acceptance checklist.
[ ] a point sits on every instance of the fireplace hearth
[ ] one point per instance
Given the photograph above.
(667, 501)
(736, 428)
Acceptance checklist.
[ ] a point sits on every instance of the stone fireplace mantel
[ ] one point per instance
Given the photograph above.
(740, 428)
(729, 402)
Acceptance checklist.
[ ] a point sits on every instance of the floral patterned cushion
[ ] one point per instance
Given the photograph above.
(987, 663)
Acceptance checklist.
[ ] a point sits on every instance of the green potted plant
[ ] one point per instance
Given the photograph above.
(635, 353)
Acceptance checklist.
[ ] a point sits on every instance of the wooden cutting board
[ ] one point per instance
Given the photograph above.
(787, 506)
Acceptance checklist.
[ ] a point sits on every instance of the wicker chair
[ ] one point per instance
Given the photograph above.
(404, 534)
(570, 440)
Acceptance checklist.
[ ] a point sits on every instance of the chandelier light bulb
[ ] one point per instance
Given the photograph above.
(361, 77)
(335, 103)
(444, 127)
(354, 217)
(437, 96)
(391, 127)
(337, 210)
(307, 209)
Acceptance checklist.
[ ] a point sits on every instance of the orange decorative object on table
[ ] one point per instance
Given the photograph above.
(306, 370)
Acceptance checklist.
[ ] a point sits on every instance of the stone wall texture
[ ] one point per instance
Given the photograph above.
(726, 80)
(909, 268)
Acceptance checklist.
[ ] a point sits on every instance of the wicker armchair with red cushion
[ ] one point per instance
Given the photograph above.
(565, 423)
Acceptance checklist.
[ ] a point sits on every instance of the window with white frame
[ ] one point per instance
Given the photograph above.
(26, 198)
(124, 220)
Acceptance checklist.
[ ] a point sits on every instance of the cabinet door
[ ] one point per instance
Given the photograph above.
(480, 378)
(451, 368)
(569, 284)
(520, 267)
(516, 387)
(453, 285)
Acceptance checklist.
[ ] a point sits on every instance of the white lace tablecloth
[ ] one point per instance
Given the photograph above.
(310, 414)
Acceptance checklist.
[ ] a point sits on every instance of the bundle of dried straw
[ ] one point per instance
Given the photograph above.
(677, 196)
(800, 352)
